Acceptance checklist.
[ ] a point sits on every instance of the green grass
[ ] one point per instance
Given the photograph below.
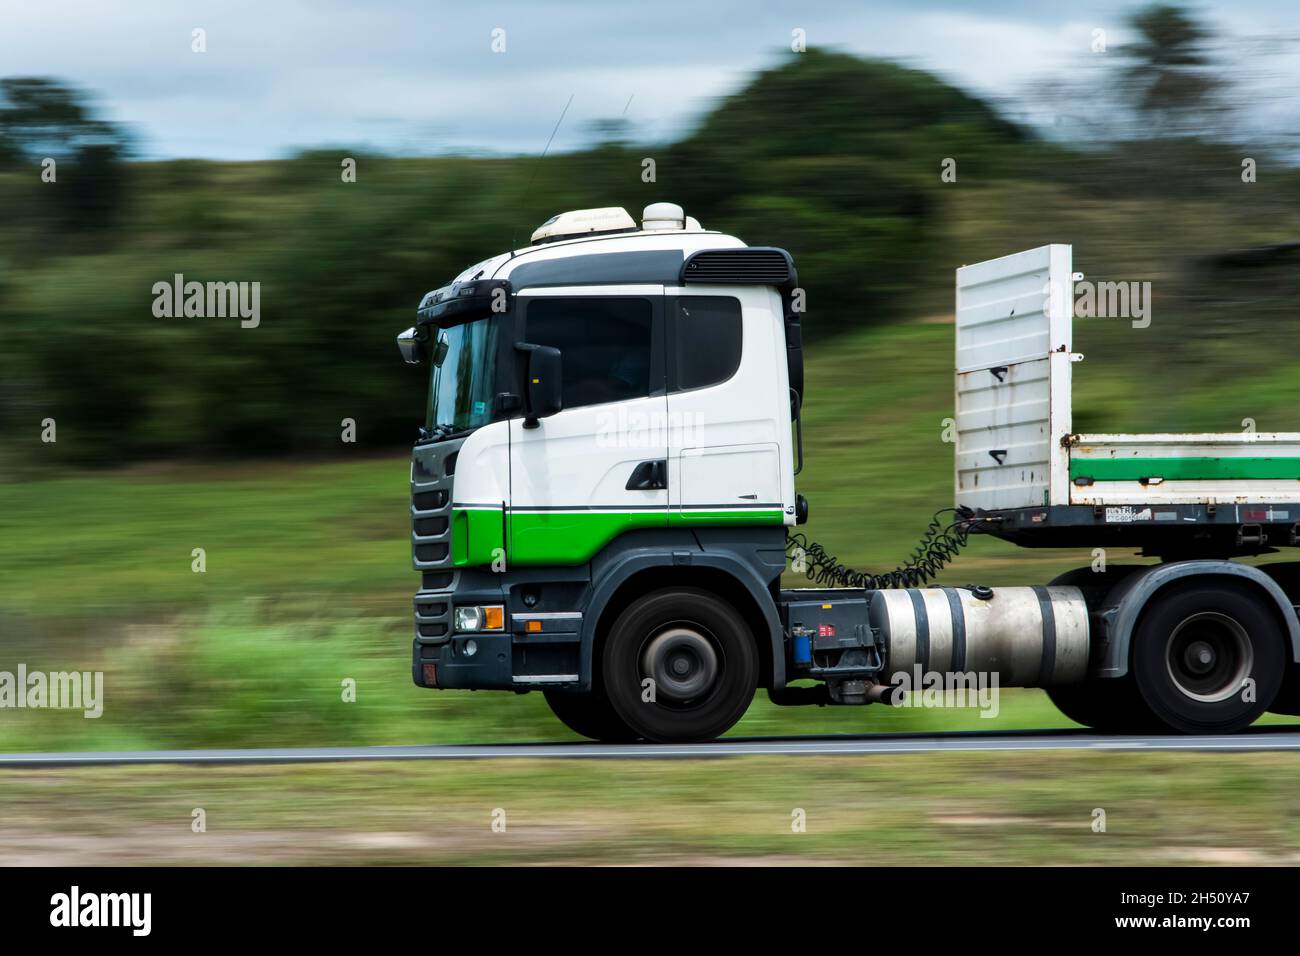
(941, 809)
(123, 543)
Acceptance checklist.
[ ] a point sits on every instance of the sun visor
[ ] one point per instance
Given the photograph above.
(463, 302)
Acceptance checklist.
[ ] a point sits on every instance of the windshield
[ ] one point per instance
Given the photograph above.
(460, 389)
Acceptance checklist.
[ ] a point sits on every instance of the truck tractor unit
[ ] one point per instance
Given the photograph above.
(603, 503)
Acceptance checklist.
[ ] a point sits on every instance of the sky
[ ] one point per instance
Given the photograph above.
(423, 78)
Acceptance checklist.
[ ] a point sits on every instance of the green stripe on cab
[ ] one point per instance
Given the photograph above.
(575, 537)
(572, 537)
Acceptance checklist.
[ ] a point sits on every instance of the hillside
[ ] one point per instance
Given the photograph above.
(838, 159)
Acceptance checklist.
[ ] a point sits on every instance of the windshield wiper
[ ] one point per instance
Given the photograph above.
(443, 432)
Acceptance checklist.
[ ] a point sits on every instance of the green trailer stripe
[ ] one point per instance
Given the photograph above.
(1185, 469)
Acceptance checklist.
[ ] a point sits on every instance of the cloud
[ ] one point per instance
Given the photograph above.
(420, 77)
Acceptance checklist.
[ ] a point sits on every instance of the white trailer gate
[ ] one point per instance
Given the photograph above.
(1013, 380)
(1015, 443)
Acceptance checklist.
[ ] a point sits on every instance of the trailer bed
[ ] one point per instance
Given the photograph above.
(1162, 530)
(1019, 462)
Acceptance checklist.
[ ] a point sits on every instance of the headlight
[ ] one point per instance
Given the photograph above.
(487, 617)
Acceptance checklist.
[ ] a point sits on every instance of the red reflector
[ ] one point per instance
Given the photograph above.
(430, 675)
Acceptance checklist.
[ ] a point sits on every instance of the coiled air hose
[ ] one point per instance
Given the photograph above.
(939, 545)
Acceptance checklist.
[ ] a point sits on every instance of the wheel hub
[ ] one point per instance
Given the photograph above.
(1199, 657)
(682, 662)
(1209, 656)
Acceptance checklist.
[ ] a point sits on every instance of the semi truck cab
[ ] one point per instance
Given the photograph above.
(604, 483)
(609, 419)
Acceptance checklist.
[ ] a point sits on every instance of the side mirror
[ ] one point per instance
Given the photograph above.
(412, 346)
(542, 384)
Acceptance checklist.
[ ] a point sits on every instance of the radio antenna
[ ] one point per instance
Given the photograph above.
(514, 235)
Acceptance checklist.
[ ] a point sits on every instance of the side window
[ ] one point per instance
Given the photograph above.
(706, 339)
(605, 346)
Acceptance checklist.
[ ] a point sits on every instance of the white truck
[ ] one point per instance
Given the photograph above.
(604, 502)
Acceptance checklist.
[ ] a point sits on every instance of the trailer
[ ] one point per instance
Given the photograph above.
(1019, 460)
(604, 502)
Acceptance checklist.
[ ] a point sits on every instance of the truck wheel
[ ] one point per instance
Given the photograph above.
(680, 665)
(589, 715)
(1110, 706)
(1208, 659)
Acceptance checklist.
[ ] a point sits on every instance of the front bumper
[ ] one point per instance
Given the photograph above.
(540, 647)
(514, 660)
(450, 667)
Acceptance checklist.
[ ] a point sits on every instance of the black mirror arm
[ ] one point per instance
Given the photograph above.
(530, 420)
(543, 366)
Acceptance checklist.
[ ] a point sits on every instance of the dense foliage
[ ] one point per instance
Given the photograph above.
(836, 158)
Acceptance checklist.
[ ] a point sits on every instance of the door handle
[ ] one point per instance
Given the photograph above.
(649, 476)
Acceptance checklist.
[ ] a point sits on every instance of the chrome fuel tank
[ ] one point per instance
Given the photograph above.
(1029, 636)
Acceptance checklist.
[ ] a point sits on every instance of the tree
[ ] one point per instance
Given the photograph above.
(838, 159)
(40, 118)
(1170, 78)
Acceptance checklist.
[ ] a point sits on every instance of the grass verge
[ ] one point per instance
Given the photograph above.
(942, 809)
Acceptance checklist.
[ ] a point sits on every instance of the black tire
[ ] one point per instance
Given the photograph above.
(698, 652)
(1194, 651)
(589, 715)
(1111, 706)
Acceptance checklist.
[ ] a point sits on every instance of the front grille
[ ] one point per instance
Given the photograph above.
(431, 494)
(436, 580)
(425, 527)
(432, 616)
(431, 498)
(426, 554)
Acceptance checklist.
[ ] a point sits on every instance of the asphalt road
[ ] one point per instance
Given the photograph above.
(1262, 738)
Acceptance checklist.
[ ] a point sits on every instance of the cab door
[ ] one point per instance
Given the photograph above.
(730, 459)
(598, 467)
